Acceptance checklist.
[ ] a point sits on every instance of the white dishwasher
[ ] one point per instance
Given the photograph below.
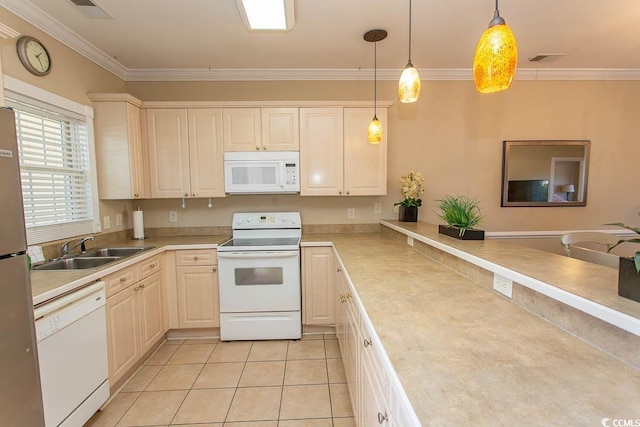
(72, 355)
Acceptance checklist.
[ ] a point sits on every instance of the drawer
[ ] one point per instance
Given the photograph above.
(149, 266)
(371, 345)
(120, 280)
(197, 257)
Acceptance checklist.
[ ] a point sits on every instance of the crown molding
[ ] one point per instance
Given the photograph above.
(35, 16)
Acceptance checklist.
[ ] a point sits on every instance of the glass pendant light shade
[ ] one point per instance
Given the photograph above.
(494, 64)
(374, 133)
(409, 86)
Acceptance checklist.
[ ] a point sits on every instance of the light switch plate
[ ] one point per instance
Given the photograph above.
(377, 208)
(118, 220)
(106, 222)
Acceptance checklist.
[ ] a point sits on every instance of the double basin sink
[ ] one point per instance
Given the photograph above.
(91, 259)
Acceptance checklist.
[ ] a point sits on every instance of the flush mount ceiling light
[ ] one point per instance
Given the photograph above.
(409, 85)
(267, 15)
(494, 63)
(374, 133)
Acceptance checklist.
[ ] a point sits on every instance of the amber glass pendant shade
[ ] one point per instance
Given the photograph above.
(409, 86)
(496, 58)
(374, 133)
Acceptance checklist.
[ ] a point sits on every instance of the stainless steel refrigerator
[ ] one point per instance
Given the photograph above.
(20, 395)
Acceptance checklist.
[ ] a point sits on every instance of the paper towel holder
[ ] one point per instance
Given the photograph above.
(138, 224)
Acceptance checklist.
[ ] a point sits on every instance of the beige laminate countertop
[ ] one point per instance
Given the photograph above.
(467, 356)
(48, 284)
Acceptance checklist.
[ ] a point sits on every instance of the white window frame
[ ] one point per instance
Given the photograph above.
(61, 231)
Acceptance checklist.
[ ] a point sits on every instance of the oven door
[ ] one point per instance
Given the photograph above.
(255, 281)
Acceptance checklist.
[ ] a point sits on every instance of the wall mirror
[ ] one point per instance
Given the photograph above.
(545, 173)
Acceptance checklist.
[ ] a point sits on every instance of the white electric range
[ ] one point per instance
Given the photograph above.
(259, 278)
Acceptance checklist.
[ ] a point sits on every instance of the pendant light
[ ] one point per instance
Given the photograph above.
(494, 64)
(409, 85)
(374, 133)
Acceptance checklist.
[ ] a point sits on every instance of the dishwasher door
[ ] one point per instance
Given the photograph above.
(72, 353)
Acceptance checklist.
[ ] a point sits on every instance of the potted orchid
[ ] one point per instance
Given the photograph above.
(412, 187)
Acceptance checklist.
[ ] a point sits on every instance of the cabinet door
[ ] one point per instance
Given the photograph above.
(352, 354)
(318, 287)
(242, 129)
(375, 410)
(123, 335)
(321, 151)
(205, 152)
(137, 163)
(149, 295)
(365, 165)
(168, 152)
(340, 312)
(280, 129)
(198, 300)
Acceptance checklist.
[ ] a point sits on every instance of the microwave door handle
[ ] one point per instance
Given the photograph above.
(283, 174)
(261, 255)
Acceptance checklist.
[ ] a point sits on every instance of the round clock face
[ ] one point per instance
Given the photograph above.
(33, 55)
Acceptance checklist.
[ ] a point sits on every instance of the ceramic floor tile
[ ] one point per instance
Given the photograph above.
(175, 377)
(323, 422)
(308, 337)
(305, 401)
(340, 402)
(219, 375)
(153, 408)
(335, 369)
(306, 372)
(111, 414)
(192, 353)
(330, 336)
(204, 406)
(258, 374)
(311, 349)
(332, 350)
(163, 354)
(253, 424)
(236, 351)
(255, 404)
(345, 422)
(201, 341)
(142, 378)
(268, 350)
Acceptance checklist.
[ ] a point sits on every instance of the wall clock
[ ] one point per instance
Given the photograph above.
(33, 55)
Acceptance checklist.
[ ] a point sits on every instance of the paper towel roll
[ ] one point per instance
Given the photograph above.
(138, 225)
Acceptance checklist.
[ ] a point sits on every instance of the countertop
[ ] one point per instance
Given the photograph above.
(48, 284)
(466, 355)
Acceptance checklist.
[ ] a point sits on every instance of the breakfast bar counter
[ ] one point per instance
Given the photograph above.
(465, 354)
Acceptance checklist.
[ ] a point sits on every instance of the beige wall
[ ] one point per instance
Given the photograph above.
(453, 135)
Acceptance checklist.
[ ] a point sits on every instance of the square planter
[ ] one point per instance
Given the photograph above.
(455, 232)
(408, 213)
(628, 280)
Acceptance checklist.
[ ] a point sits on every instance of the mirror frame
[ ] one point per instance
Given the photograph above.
(506, 147)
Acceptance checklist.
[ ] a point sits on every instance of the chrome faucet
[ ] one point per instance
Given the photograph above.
(82, 243)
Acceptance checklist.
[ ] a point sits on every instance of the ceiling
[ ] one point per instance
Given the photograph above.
(165, 39)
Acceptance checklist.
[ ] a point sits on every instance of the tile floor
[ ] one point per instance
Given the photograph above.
(208, 383)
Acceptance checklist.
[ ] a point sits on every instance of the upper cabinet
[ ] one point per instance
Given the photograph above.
(261, 129)
(121, 165)
(185, 152)
(335, 156)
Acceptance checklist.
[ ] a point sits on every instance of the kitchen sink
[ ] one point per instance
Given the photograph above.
(77, 263)
(113, 252)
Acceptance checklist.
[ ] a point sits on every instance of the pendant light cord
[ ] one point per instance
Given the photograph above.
(410, 31)
(375, 76)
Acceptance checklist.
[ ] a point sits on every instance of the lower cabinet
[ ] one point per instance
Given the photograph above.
(197, 289)
(134, 315)
(317, 285)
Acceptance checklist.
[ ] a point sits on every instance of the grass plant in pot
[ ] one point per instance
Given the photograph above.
(412, 187)
(629, 269)
(461, 214)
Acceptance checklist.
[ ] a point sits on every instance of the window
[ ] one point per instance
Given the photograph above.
(56, 158)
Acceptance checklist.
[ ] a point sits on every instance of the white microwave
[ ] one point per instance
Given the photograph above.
(262, 172)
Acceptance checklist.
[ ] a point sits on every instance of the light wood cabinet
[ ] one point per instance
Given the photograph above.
(263, 129)
(197, 289)
(120, 158)
(134, 310)
(318, 285)
(335, 157)
(347, 332)
(185, 152)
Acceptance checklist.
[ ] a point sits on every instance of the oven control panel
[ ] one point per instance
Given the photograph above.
(267, 220)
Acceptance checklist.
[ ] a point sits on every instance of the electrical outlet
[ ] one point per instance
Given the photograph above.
(503, 285)
(118, 220)
(173, 216)
(409, 240)
(351, 213)
(377, 208)
(106, 222)
(396, 208)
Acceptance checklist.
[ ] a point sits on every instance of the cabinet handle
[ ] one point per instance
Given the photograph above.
(264, 147)
(258, 147)
(342, 299)
(136, 287)
(195, 258)
(340, 192)
(347, 193)
(142, 285)
(152, 265)
(367, 343)
(348, 295)
(123, 279)
(382, 417)
(193, 194)
(136, 195)
(215, 269)
(338, 269)
(186, 194)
